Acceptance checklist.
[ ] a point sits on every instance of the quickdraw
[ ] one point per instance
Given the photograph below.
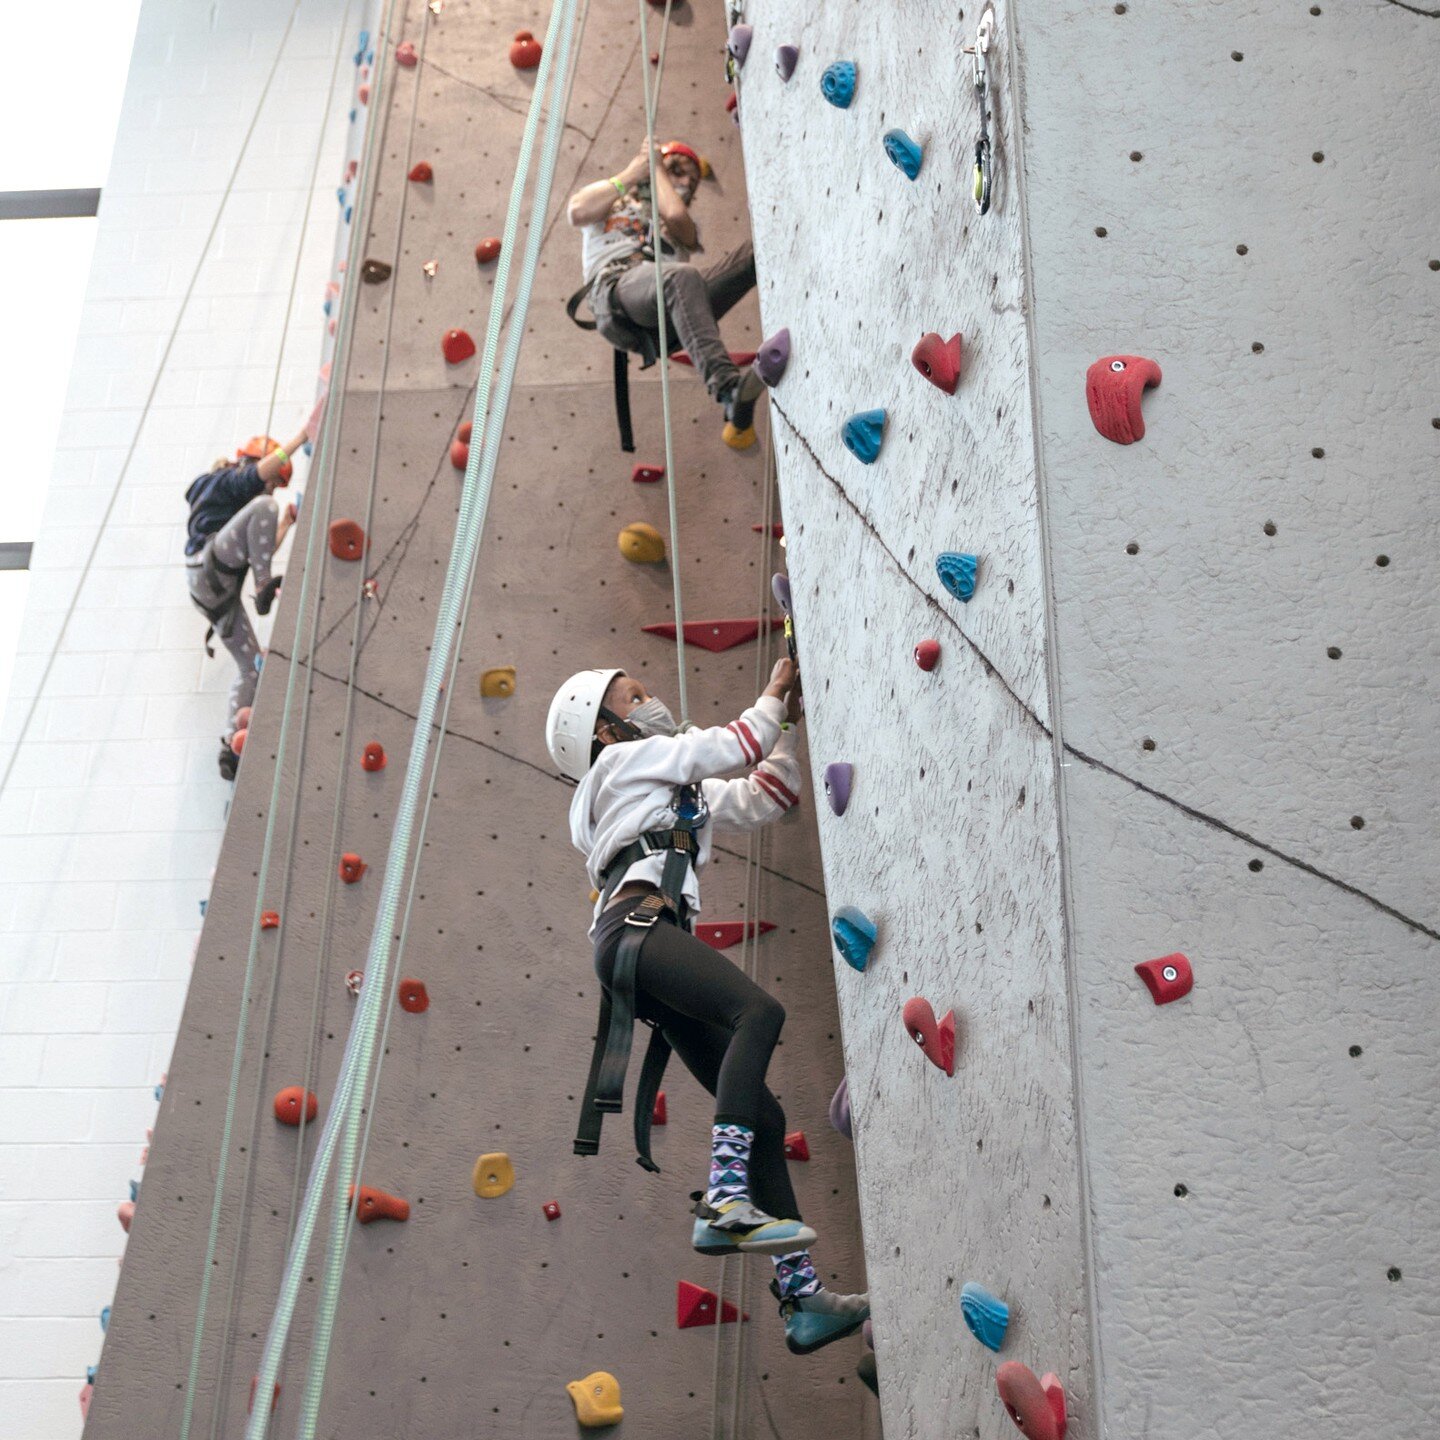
(984, 33)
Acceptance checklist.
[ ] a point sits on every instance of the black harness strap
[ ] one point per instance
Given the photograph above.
(622, 401)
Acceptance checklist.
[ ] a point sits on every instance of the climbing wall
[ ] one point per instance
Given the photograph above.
(471, 1316)
(1187, 711)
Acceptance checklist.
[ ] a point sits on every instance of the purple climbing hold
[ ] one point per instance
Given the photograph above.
(840, 1109)
(786, 59)
(780, 587)
(868, 1331)
(739, 44)
(772, 357)
(837, 785)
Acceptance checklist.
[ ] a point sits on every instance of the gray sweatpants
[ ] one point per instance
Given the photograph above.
(246, 541)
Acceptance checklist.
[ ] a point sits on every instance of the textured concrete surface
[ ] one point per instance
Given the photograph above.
(472, 1316)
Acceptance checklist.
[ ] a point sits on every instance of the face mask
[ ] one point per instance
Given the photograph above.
(652, 718)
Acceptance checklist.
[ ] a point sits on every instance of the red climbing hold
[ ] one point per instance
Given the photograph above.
(274, 1399)
(731, 101)
(714, 635)
(938, 360)
(288, 1103)
(87, 1391)
(659, 1115)
(352, 867)
(935, 1038)
(125, 1214)
(238, 739)
(1036, 1406)
(363, 94)
(269, 919)
(464, 432)
(721, 934)
(1113, 387)
(487, 250)
(457, 346)
(778, 531)
(373, 756)
(242, 717)
(927, 654)
(1168, 978)
(796, 1146)
(459, 454)
(413, 996)
(524, 51)
(347, 540)
(377, 1205)
(421, 173)
(739, 358)
(551, 1209)
(696, 1306)
(405, 55)
(647, 474)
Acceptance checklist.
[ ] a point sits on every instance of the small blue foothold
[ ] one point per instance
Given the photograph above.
(105, 1318)
(134, 1192)
(987, 1316)
(90, 1374)
(349, 211)
(353, 113)
(309, 448)
(340, 196)
(863, 433)
(203, 904)
(904, 152)
(326, 306)
(957, 573)
(838, 83)
(854, 934)
(160, 1091)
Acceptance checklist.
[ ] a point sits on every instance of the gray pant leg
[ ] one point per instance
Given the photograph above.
(248, 538)
(244, 650)
(688, 314)
(730, 280)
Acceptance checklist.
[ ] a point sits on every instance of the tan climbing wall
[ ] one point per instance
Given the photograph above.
(471, 1317)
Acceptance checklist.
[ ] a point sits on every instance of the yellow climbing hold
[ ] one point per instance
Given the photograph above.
(494, 1175)
(597, 1400)
(499, 683)
(642, 544)
(738, 439)
(594, 896)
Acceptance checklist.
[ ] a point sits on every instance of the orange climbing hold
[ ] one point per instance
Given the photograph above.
(721, 934)
(493, 1175)
(413, 996)
(459, 454)
(422, 173)
(237, 741)
(696, 1306)
(498, 683)
(464, 432)
(597, 1400)
(642, 544)
(352, 867)
(269, 919)
(1036, 1406)
(797, 1147)
(291, 1100)
(373, 756)
(487, 250)
(524, 51)
(377, 1205)
(347, 540)
(242, 717)
(456, 346)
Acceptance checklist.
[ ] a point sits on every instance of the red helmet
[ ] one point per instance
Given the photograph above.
(679, 147)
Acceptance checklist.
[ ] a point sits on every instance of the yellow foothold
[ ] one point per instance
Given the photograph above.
(493, 1176)
(738, 439)
(499, 683)
(642, 544)
(594, 896)
(597, 1400)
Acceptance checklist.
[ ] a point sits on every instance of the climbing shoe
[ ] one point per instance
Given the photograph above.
(814, 1321)
(739, 432)
(739, 1225)
(229, 760)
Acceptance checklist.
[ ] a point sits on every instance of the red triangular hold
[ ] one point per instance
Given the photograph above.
(738, 358)
(797, 1147)
(778, 531)
(714, 635)
(658, 1115)
(695, 1305)
(721, 934)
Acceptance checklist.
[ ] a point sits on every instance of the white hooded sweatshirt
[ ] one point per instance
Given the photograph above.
(631, 789)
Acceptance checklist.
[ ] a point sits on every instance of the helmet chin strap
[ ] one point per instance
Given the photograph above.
(626, 729)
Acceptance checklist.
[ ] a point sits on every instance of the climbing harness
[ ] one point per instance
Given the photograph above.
(605, 1086)
(221, 617)
(980, 50)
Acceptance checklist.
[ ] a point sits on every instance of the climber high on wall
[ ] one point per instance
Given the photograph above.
(617, 258)
(236, 525)
(642, 816)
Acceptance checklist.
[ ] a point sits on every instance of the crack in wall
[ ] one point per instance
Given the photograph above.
(515, 104)
(1211, 821)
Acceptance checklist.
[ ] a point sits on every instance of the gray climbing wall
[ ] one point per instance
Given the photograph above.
(1189, 707)
(472, 1316)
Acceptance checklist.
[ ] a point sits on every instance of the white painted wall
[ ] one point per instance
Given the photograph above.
(113, 817)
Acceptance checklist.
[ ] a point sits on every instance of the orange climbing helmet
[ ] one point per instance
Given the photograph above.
(257, 447)
(679, 147)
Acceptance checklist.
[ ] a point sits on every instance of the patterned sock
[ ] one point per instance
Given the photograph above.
(729, 1163)
(795, 1274)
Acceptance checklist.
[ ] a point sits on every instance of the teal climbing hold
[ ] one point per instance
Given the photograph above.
(135, 1191)
(105, 1319)
(905, 154)
(957, 573)
(837, 84)
(987, 1315)
(863, 434)
(854, 934)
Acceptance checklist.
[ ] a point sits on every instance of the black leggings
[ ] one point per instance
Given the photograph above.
(723, 1027)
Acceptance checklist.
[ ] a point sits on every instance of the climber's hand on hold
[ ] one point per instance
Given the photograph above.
(795, 702)
(782, 678)
(283, 524)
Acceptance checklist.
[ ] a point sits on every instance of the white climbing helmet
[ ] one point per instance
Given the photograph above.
(570, 725)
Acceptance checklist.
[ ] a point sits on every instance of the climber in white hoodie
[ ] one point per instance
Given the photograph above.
(642, 816)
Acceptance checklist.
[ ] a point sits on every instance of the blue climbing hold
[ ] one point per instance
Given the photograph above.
(349, 211)
(957, 573)
(203, 904)
(837, 84)
(105, 1318)
(353, 113)
(340, 197)
(90, 1374)
(160, 1091)
(326, 306)
(364, 44)
(134, 1192)
(863, 433)
(987, 1316)
(905, 153)
(854, 935)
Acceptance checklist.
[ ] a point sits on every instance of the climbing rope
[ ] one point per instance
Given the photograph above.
(356, 1063)
(652, 101)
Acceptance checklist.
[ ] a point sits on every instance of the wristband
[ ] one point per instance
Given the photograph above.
(618, 184)
(280, 451)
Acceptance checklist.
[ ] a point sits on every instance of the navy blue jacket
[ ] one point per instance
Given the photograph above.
(217, 497)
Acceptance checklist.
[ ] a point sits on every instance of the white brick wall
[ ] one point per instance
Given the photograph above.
(111, 823)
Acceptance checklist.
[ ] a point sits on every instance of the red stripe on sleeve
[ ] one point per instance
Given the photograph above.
(784, 789)
(748, 744)
(772, 787)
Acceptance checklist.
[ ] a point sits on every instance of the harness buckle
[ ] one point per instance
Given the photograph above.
(647, 912)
